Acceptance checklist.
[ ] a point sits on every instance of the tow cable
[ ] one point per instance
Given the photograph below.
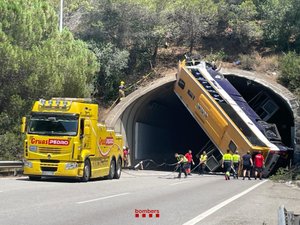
(143, 164)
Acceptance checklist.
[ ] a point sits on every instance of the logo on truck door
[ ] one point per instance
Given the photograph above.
(106, 141)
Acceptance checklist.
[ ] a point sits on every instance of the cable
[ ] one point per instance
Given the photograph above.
(195, 167)
(162, 176)
(175, 169)
(157, 165)
(128, 89)
(149, 161)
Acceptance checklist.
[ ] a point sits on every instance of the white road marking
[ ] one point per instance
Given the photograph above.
(182, 182)
(222, 204)
(106, 197)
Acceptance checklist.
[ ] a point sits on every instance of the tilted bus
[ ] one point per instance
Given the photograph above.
(226, 117)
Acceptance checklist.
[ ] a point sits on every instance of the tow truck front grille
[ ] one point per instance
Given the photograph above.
(49, 161)
(49, 165)
(53, 169)
(53, 150)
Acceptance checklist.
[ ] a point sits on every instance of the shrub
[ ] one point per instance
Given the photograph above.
(284, 174)
(11, 146)
(217, 56)
(289, 66)
(248, 62)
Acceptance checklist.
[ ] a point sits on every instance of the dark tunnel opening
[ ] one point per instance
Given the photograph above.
(270, 106)
(162, 127)
(157, 125)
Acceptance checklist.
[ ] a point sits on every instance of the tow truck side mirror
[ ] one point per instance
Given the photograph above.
(23, 125)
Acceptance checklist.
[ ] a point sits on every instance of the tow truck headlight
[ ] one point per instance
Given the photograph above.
(27, 164)
(70, 166)
(33, 148)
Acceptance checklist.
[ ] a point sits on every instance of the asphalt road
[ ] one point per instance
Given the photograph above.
(208, 200)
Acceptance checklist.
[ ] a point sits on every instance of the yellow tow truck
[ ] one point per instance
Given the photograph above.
(64, 139)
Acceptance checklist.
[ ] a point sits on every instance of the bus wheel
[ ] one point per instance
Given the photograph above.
(35, 178)
(86, 171)
(117, 174)
(112, 169)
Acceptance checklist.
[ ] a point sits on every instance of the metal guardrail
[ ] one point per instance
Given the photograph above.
(11, 164)
(8, 167)
(287, 217)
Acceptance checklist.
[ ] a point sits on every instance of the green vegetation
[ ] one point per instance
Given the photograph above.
(290, 71)
(283, 175)
(36, 61)
(104, 42)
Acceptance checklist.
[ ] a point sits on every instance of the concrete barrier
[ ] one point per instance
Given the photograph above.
(287, 217)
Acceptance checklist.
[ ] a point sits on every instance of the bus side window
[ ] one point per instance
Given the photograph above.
(81, 128)
(232, 146)
(181, 83)
(192, 96)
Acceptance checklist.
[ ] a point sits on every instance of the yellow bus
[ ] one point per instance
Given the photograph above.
(225, 116)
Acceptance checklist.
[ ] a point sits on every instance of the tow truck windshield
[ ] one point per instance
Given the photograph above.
(49, 124)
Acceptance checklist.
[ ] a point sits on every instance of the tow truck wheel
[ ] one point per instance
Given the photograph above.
(86, 171)
(112, 169)
(117, 174)
(35, 178)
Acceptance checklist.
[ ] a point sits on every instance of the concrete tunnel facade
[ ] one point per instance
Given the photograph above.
(155, 124)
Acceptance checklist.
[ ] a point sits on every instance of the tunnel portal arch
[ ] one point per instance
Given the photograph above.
(155, 124)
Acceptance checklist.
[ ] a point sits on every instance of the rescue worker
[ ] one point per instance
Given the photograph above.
(259, 164)
(190, 160)
(247, 165)
(214, 66)
(227, 164)
(122, 90)
(125, 155)
(236, 164)
(202, 163)
(182, 164)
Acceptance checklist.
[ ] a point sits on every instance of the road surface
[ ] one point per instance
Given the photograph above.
(138, 195)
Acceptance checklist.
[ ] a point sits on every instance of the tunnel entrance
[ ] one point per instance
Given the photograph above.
(156, 125)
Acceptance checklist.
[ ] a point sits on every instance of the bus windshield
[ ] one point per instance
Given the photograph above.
(53, 124)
